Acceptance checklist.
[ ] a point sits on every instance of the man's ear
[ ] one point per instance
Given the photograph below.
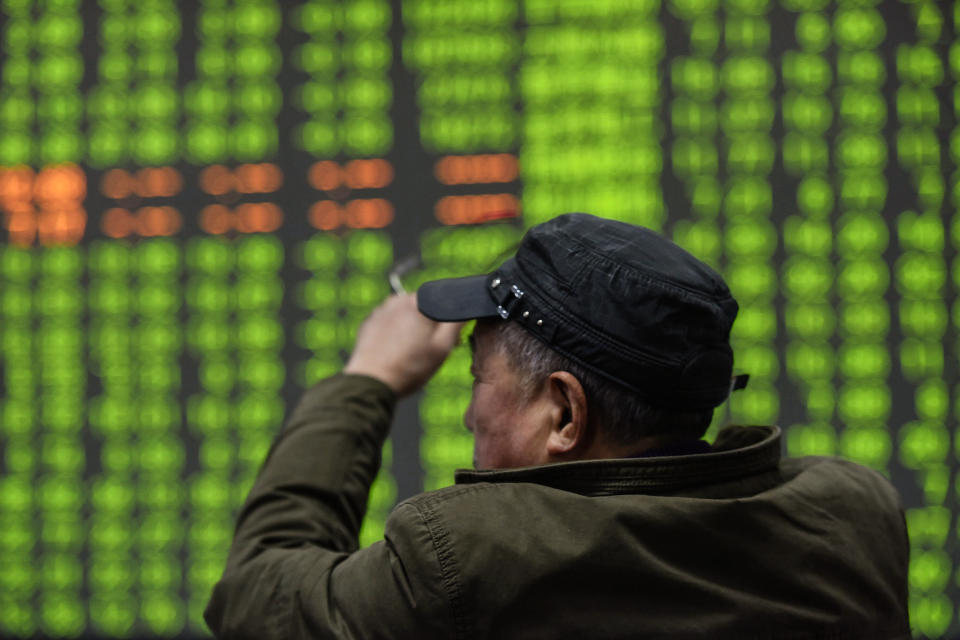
(569, 431)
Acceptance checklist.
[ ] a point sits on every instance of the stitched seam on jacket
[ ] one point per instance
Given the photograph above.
(449, 493)
(720, 465)
(448, 568)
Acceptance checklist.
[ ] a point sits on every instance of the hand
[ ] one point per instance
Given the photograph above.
(400, 346)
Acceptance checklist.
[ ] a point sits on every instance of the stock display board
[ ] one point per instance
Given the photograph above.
(201, 200)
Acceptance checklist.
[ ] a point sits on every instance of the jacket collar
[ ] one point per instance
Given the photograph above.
(738, 451)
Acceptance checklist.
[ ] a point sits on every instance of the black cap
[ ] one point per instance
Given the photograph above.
(619, 299)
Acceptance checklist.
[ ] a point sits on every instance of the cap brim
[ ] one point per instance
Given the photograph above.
(456, 299)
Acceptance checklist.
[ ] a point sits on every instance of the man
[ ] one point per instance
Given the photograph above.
(595, 511)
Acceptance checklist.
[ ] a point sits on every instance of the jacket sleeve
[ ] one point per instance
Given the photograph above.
(293, 570)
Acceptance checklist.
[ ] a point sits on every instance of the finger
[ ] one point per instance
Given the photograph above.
(447, 334)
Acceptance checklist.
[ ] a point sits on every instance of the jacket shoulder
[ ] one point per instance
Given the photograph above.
(420, 529)
(838, 475)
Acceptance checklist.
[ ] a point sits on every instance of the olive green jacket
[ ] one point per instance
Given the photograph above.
(731, 544)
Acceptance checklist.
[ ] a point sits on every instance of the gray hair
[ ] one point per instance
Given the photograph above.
(622, 415)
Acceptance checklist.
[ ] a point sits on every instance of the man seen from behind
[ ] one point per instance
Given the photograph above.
(596, 509)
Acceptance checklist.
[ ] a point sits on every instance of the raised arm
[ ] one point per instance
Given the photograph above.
(301, 519)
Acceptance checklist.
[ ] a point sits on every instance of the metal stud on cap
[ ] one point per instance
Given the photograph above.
(495, 283)
(539, 323)
(526, 314)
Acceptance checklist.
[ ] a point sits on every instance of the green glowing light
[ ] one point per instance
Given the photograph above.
(257, 20)
(17, 71)
(157, 27)
(62, 615)
(365, 16)
(157, 64)
(207, 100)
(813, 32)
(107, 145)
(208, 413)
(258, 293)
(253, 139)
(210, 255)
(163, 613)
(319, 137)
(260, 253)
(252, 59)
(258, 99)
(858, 28)
(207, 142)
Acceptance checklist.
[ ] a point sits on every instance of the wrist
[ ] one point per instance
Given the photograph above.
(371, 371)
